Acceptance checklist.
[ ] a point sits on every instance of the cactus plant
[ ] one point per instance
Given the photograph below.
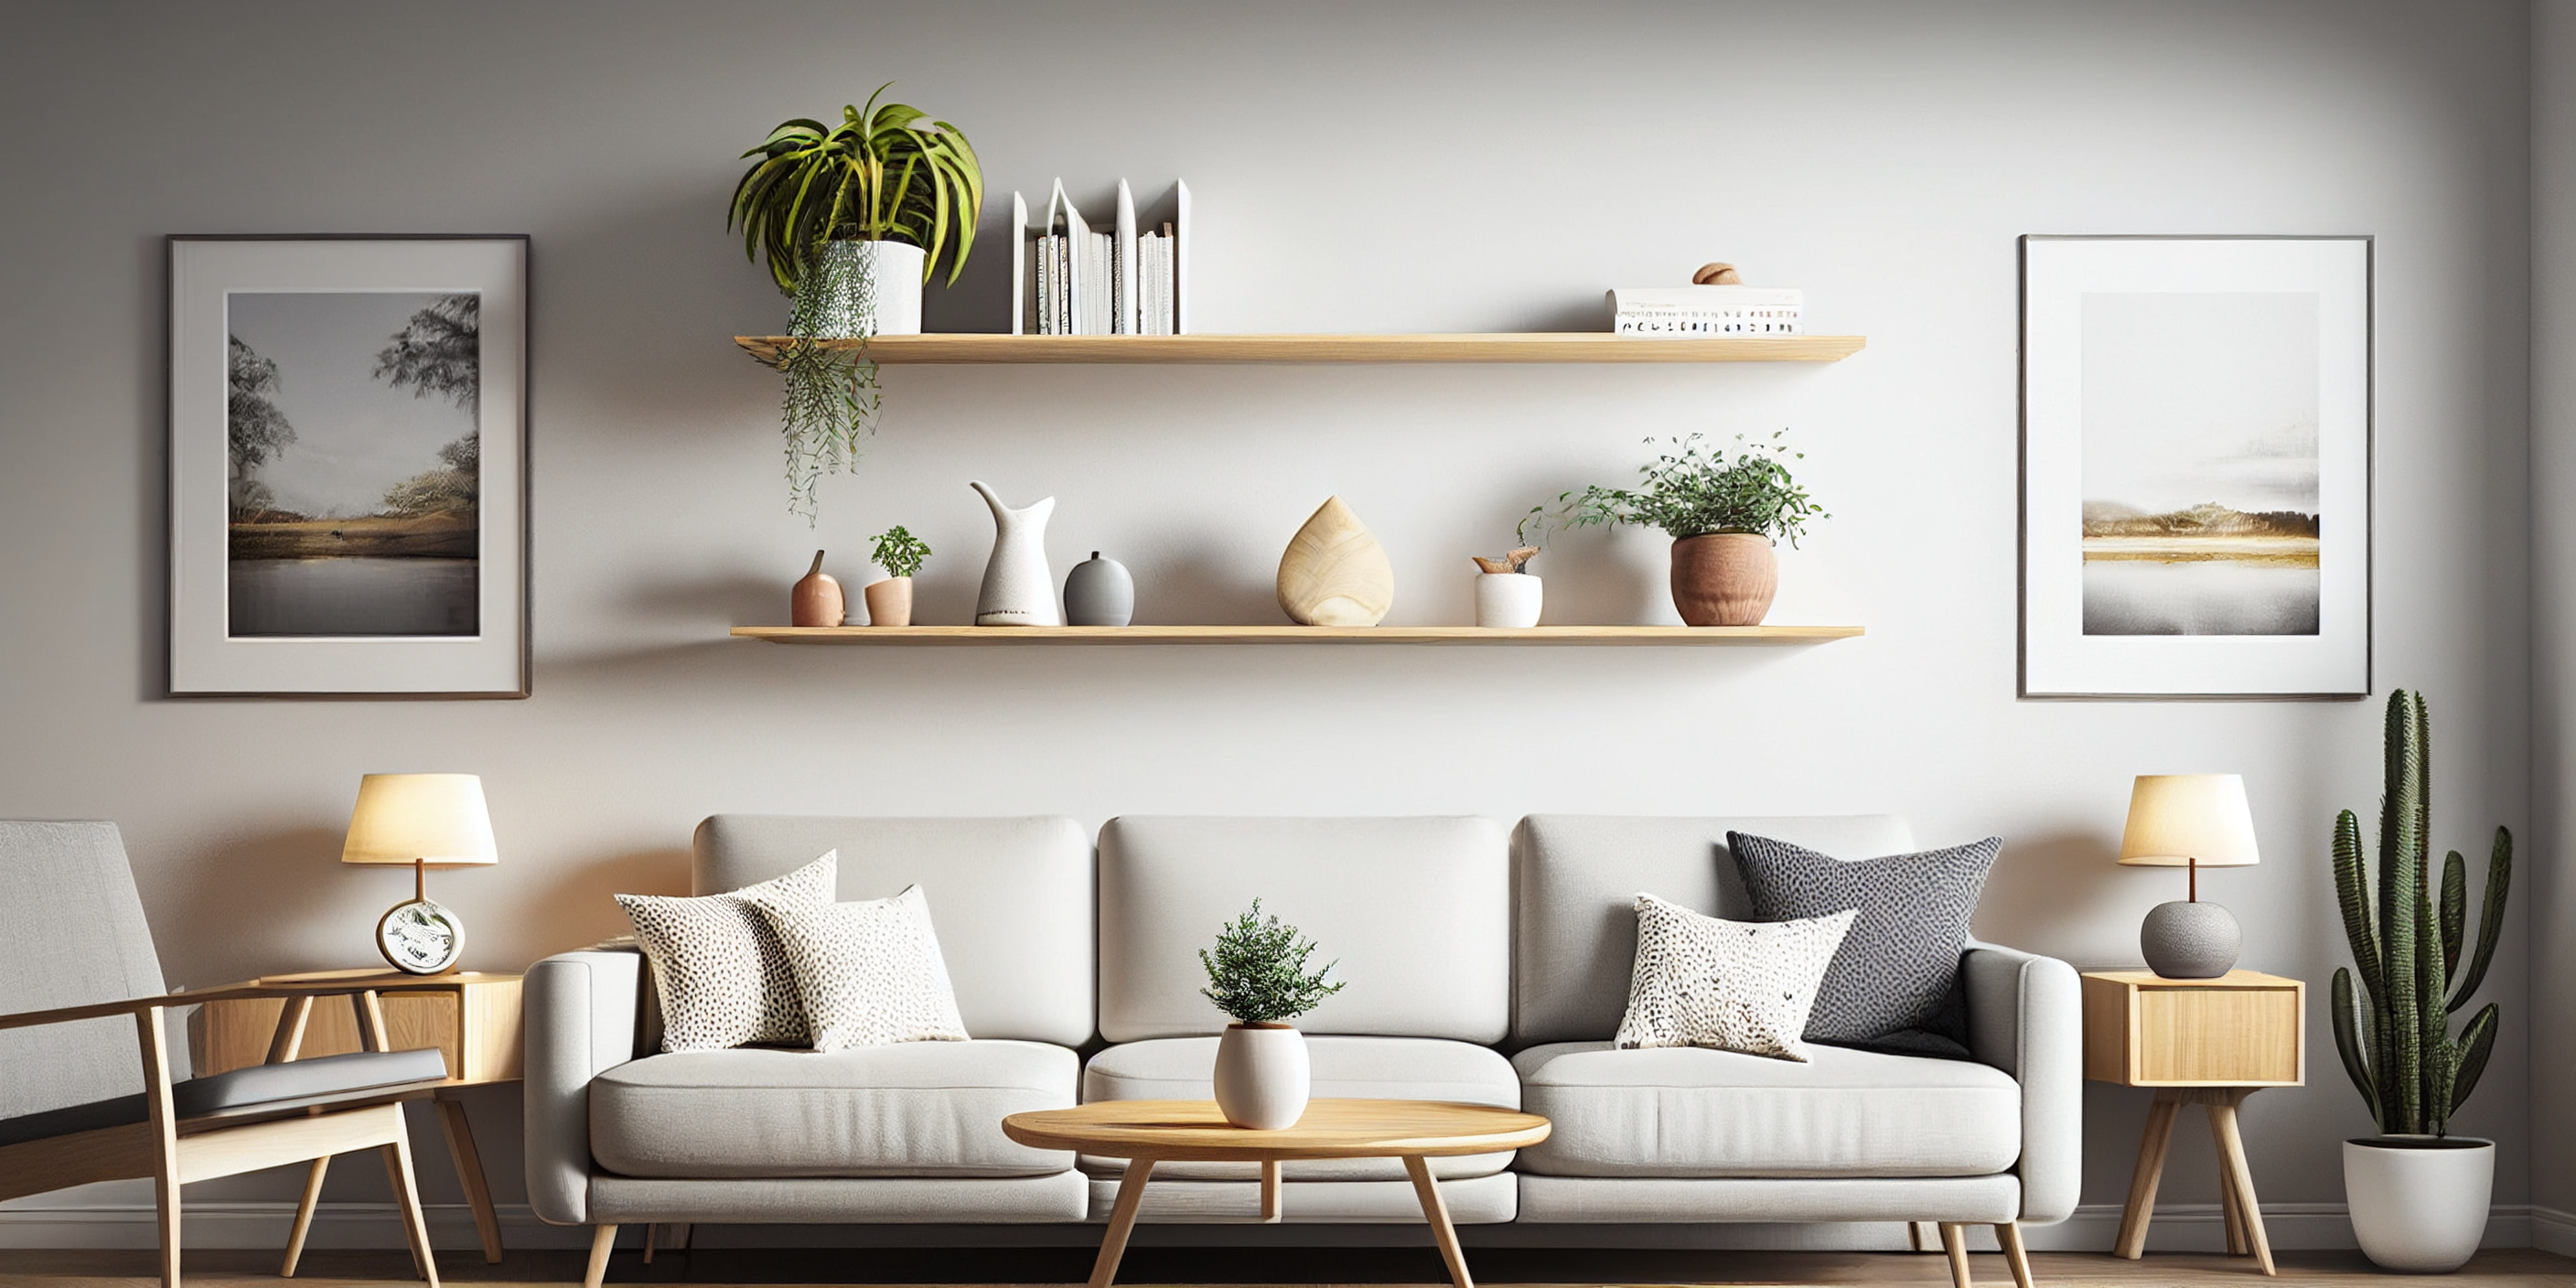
(2392, 1026)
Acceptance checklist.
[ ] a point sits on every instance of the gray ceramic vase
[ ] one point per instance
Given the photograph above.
(1098, 592)
(2190, 940)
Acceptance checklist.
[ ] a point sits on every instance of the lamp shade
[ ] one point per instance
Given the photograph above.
(434, 819)
(2175, 819)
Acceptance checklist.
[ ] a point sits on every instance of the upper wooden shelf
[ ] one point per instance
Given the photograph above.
(892, 636)
(1535, 346)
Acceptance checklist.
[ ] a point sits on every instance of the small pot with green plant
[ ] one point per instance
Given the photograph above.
(852, 220)
(900, 553)
(1723, 509)
(1257, 974)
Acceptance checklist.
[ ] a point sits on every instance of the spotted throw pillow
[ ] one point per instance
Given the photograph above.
(1733, 985)
(870, 973)
(721, 971)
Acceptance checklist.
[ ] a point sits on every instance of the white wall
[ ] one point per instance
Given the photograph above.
(2553, 578)
(1358, 167)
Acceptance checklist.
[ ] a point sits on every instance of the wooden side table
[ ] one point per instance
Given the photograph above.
(472, 1017)
(2209, 1042)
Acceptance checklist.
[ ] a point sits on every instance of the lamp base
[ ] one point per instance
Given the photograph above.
(420, 937)
(2190, 940)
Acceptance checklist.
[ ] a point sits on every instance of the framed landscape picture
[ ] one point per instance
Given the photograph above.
(348, 449)
(2195, 508)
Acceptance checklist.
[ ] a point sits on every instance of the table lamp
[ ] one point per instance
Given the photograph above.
(428, 821)
(2195, 821)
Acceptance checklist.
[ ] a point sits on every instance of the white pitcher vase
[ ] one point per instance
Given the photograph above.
(1018, 589)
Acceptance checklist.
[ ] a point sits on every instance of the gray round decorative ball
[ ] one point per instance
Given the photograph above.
(2190, 940)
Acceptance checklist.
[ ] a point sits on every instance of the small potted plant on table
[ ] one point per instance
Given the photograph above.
(900, 553)
(1723, 512)
(1257, 974)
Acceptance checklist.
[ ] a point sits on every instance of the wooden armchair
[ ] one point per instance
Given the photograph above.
(77, 970)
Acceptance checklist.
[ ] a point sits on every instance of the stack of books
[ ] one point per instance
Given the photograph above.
(1072, 279)
(1704, 312)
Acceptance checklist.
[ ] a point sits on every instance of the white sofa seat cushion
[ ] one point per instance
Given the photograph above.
(928, 1109)
(1692, 1112)
(1358, 1068)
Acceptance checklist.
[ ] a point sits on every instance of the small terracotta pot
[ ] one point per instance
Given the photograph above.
(1725, 578)
(817, 598)
(890, 602)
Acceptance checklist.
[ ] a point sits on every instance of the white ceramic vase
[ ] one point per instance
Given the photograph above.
(1018, 589)
(1507, 599)
(861, 288)
(2419, 1203)
(1262, 1075)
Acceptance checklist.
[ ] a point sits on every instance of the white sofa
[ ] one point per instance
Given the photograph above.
(1480, 967)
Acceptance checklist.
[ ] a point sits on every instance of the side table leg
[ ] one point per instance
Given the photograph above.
(1122, 1221)
(469, 1173)
(2227, 1213)
(288, 1041)
(2151, 1170)
(371, 1021)
(2231, 1149)
(1435, 1210)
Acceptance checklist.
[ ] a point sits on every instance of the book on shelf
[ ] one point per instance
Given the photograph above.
(1704, 311)
(1128, 278)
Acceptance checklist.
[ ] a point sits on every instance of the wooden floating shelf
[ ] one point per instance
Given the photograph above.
(1536, 346)
(921, 636)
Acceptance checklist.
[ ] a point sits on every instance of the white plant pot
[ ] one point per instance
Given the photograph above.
(863, 286)
(1507, 599)
(1261, 1075)
(2419, 1203)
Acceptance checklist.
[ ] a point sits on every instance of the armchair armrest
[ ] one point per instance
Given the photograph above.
(2026, 1017)
(581, 1021)
(124, 1006)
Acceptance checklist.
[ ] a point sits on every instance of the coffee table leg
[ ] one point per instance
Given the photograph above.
(1122, 1221)
(1270, 1209)
(1436, 1212)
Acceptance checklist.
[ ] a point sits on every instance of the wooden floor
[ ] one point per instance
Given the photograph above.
(1287, 1266)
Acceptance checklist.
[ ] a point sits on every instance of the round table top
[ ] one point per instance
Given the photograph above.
(1193, 1130)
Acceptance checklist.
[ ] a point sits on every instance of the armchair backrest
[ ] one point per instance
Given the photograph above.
(71, 934)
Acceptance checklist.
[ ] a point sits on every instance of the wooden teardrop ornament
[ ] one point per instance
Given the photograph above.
(1335, 573)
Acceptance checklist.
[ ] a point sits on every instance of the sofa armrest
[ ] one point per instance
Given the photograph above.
(2026, 1017)
(580, 1012)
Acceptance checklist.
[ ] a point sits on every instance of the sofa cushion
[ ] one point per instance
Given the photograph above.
(1344, 1068)
(719, 967)
(1895, 984)
(1693, 1112)
(869, 970)
(1575, 881)
(1417, 911)
(931, 1109)
(1731, 985)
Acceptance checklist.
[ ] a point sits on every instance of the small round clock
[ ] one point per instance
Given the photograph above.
(420, 937)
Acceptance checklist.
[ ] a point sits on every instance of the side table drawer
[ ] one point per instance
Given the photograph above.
(2235, 1032)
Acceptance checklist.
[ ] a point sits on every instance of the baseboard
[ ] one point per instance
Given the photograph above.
(2197, 1227)
(2553, 1230)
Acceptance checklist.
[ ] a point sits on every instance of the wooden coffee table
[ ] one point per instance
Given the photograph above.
(1146, 1132)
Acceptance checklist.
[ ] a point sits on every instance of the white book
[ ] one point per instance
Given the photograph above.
(1123, 267)
(1629, 298)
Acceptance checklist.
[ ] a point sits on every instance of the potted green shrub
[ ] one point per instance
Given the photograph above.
(2417, 1194)
(852, 220)
(1257, 974)
(900, 553)
(1723, 509)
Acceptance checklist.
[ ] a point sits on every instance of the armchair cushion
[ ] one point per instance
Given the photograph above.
(242, 1092)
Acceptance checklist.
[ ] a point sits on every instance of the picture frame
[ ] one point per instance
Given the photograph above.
(2196, 423)
(348, 466)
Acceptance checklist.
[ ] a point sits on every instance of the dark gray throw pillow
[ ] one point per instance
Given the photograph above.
(1894, 985)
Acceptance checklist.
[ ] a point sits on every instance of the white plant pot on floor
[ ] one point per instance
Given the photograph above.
(1262, 1075)
(2418, 1203)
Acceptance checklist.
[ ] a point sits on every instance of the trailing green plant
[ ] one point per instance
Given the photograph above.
(899, 552)
(829, 407)
(877, 176)
(1257, 971)
(1695, 490)
(2392, 1026)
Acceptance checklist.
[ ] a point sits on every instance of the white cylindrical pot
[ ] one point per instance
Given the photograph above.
(1507, 599)
(2419, 1203)
(862, 288)
(1261, 1075)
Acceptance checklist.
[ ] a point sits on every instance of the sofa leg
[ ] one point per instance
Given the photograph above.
(2009, 1234)
(602, 1238)
(652, 1235)
(1954, 1241)
(1914, 1235)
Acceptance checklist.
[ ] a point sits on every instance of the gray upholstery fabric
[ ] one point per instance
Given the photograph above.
(1591, 1200)
(2026, 1017)
(1696, 1112)
(907, 1109)
(1343, 1067)
(1416, 910)
(1019, 1200)
(1575, 881)
(1894, 986)
(580, 1016)
(247, 1092)
(71, 933)
(1481, 1200)
(1010, 898)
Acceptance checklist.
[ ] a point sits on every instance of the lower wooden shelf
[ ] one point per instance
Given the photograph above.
(1632, 636)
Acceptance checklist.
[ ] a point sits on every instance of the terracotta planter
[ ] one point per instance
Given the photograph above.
(1724, 578)
(890, 602)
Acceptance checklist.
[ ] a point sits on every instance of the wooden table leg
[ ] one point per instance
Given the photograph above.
(1271, 1211)
(2231, 1152)
(289, 1039)
(1435, 1210)
(1122, 1221)
(371, 1021)
(304, 1215)
(2227, 1212)
(2150, 1172)
(469, 1173)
